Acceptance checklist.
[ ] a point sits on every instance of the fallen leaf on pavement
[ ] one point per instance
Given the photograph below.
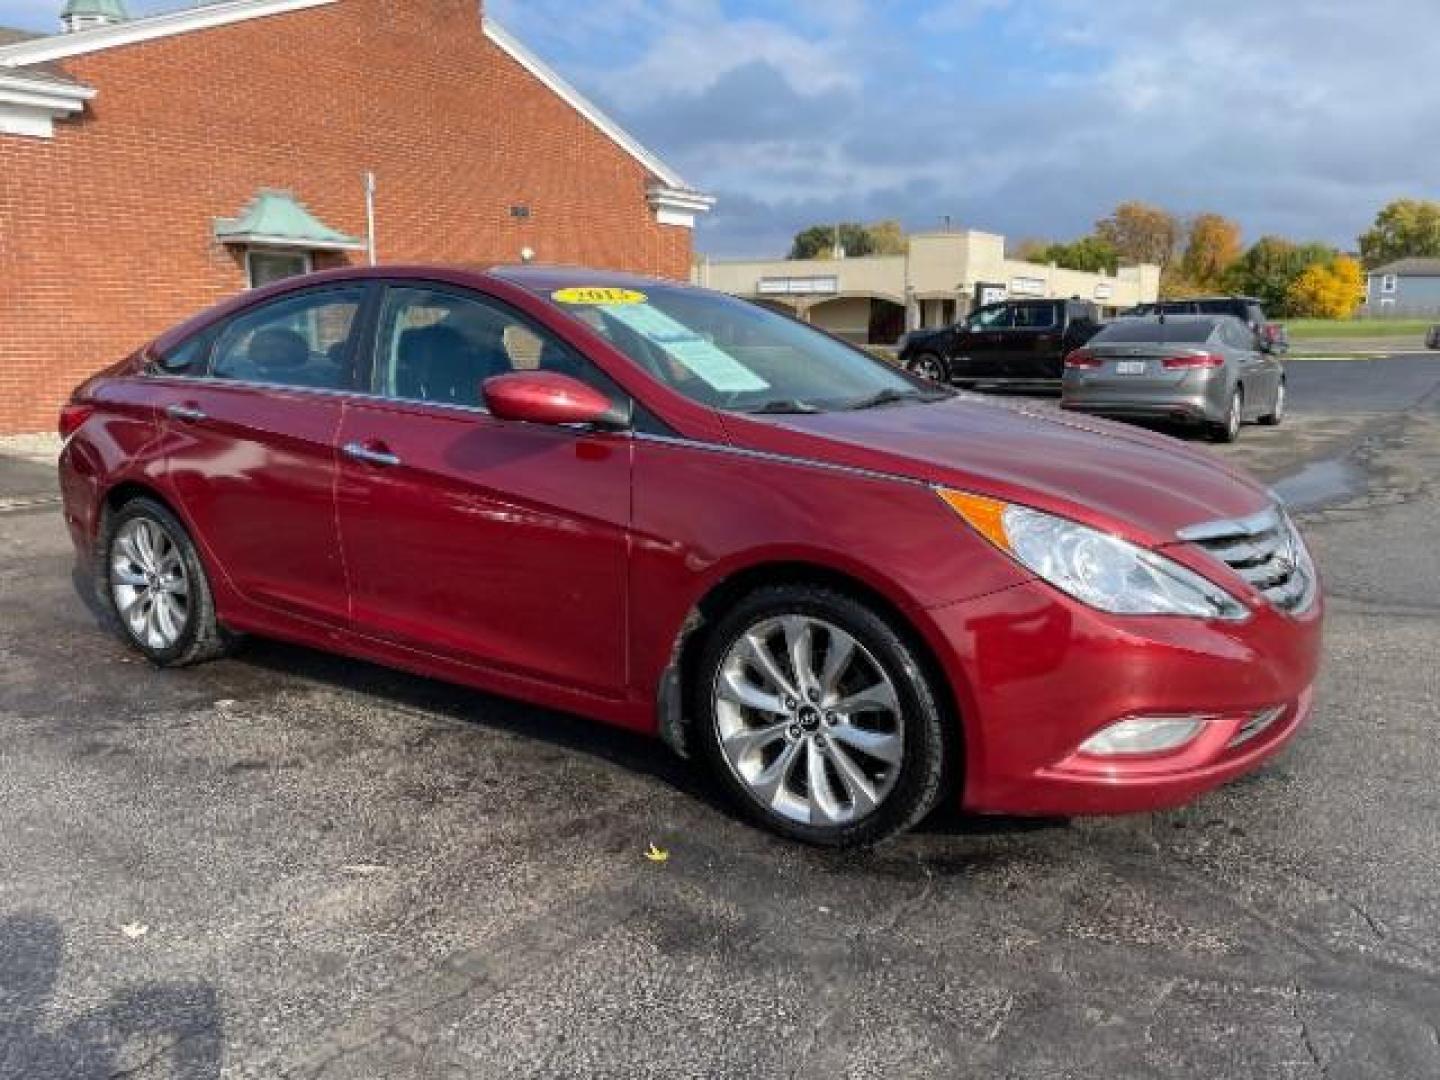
(656, 854)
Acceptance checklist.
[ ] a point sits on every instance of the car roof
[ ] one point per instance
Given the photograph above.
(541, 280)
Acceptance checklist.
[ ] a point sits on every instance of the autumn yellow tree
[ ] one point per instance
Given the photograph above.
(1213, 245)
(1141, 233)
(1329, 290)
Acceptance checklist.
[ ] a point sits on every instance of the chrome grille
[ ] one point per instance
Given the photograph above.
(1266, 552)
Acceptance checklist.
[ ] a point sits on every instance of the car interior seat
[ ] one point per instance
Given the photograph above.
(276, 351)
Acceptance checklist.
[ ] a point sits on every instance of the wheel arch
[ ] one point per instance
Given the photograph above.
(701, 618)
(126, 490)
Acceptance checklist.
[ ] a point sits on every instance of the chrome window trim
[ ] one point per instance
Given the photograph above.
(322, 391)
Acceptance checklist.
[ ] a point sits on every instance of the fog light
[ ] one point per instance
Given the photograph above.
(1144, 735)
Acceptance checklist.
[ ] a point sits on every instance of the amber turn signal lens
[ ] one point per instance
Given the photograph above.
(985, 516)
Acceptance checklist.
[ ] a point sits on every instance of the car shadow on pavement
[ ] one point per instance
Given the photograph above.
(637, 753)
(172, 1030)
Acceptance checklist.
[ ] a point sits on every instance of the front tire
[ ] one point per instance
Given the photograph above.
(818, 719)
(929, 365)
(154, 587)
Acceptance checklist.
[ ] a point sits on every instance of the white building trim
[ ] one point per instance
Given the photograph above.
(31, 106)
(168, 24)
(678, 206)
(588, 109)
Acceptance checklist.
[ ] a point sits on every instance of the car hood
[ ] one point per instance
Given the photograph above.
(1125, 480)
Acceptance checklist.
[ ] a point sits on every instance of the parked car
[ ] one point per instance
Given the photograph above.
(1017, 343)
(847, 591)
(1195, 369)
(1247, 309)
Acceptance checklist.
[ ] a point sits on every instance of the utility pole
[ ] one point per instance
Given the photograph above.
(370, 216)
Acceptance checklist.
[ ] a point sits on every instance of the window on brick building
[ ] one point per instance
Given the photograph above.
(263, 267)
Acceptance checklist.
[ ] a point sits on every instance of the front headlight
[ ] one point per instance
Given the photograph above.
(1100, 570)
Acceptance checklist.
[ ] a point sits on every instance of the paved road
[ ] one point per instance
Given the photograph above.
(290, 865)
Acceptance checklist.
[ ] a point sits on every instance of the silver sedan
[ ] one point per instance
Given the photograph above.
(1207, 370)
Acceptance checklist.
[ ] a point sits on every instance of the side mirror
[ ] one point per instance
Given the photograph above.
(546, 397)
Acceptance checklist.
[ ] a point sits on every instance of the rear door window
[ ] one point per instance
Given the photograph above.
(304, 340)
(1034, 316)
(190, 357)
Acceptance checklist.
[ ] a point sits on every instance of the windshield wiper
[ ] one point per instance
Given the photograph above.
(891, 397)
(784, 405)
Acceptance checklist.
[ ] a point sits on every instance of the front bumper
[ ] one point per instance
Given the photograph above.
(1037, 674)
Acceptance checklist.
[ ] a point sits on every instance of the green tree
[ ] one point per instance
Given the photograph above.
(818, 241)
(1141, 233)
(1406, 228)
(1269, 269)
(1090, 254)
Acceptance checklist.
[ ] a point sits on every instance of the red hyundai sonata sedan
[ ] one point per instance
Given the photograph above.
(850, 593)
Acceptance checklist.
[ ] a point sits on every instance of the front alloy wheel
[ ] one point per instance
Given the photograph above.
(816, 736)
(819, 719)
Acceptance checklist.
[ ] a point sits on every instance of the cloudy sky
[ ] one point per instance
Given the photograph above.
(1027, 117)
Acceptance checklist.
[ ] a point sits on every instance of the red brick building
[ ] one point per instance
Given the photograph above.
(150, 167)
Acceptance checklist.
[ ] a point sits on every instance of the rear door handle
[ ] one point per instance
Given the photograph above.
(188, 414)
(370, 455)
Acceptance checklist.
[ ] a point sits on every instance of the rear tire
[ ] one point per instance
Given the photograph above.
(1228, 429)
(1275, 418)
(849, 751)
(929, 365)
(153, 586)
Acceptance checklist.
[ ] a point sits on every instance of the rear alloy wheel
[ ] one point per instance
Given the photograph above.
(1228, 430)
(154, 585)
(817, 717)
(1278, 414)
(928, 366)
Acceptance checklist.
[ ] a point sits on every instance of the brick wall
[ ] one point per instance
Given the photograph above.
(106, 230)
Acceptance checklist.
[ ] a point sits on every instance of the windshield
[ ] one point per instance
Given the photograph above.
(731, 354)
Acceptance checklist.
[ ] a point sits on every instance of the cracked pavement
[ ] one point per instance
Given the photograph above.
(346, 872)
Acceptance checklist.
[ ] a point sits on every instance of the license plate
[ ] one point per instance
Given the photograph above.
(1130, 367)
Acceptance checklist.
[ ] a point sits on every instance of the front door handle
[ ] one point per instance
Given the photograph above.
(188, 414)
(371, 455)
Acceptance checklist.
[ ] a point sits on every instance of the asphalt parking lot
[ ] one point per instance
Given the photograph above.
(290, 865)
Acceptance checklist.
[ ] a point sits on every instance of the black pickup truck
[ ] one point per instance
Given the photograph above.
(1019, 343)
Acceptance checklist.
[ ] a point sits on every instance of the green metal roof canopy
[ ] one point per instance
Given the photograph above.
(276, 219)
(105, 9)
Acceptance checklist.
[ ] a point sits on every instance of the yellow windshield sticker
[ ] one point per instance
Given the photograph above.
(599, 296)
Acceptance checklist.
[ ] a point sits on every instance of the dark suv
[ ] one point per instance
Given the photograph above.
(1020, 343)
(1245, 308)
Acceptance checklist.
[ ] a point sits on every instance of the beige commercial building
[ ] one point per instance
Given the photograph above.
(943, 276)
